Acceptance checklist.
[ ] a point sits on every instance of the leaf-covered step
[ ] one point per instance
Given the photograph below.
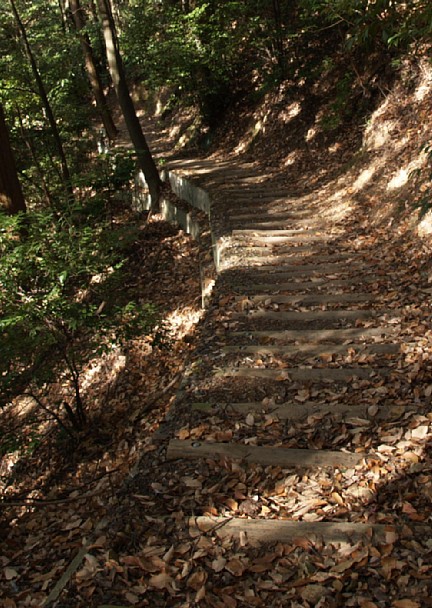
(315, 299)
(316, 316)
(279, 237)
(264, 531)
(299, 286)
(291, 260)
(254, 224)
(334, 375)
(287, 271)
(346, 335)
(267, 456)
(293, 237)
(314, 349)
(299, 411)
(275, 235)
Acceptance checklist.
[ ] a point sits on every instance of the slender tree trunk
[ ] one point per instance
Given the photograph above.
(28, 142)
(11, 196)
(279, 38)
(44, 97)
(63, 15)
(79, 18)
(115, 63)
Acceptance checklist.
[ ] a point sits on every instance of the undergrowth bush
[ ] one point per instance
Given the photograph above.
(62, 302)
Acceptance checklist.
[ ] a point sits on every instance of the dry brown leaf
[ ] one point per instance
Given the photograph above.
(200, 594)
(406, 603)
(235, 567)
(161, 581)
(218, 564)
(343, 566)
(197, 580)
(9, 573)
(313, 593)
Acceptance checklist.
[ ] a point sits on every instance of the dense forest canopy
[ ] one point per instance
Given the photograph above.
(68, 71)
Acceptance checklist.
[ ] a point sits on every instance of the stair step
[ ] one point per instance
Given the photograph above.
(261, 215)
(298, 411)
(334, 375)
(346, 335)
(298, 236)
(312, 269)
(308, 300)
(291, 260)
(298, 285)
(310, 316)
(313, 349)
(265, 455)
(278, 240)
(273, 225)
(265, 531)
(276, 236)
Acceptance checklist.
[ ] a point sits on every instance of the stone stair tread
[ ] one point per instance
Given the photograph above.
(273, 225)
(265, 455)
(346, 335)
(313, 349)
(278, 239)
(309, 299)
(267, 531)
(298, 411)
(275, 236)
(254, 238)
(315, 315)
(297, 285)
(288, 271)
(293, 259)
(304, 374)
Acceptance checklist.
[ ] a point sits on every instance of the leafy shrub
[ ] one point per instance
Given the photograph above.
(58, 280)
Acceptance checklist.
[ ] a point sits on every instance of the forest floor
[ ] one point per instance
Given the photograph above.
(107, 523)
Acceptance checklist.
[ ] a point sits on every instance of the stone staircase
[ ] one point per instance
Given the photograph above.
(305, 336)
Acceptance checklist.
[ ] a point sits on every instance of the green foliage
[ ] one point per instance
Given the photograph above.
(367, 26)
(59, 279)
(201, 52)
(60, 63)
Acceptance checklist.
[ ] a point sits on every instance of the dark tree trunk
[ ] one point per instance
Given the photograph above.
(11, 196)
(279, 38)
(45, 101)
(79, 18)
(145, 159)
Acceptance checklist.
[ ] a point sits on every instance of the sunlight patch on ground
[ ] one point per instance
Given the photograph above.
(425, 226)
(404, 174)
(425, 86)
(181, 322)
(110, 364)
(364, 178)
(378, 135)
(291, 112)
(311, 134)
(291, 158)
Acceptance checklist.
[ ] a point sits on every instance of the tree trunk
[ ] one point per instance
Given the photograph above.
(28, 142)
(279, 37)
(79, 18)
(11, 196)
(44, 97)
(115, 63)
